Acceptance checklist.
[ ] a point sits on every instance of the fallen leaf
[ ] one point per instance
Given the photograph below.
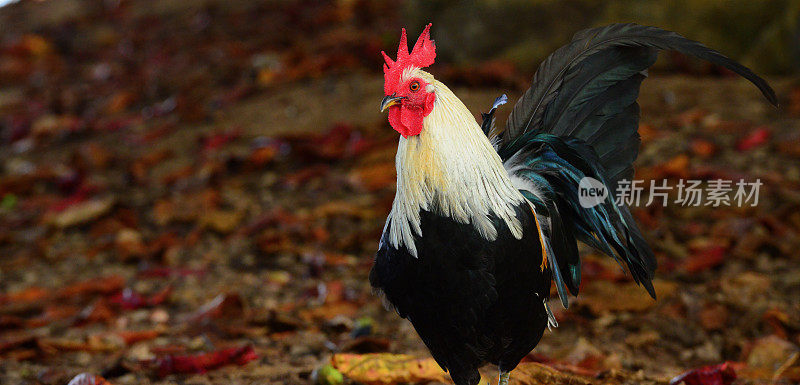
(770, 353)
(605, 296)
(222, 221)
(223, 306)
(703, 148)
(35, 45)
(219, 139)
(327, 375)
(129, 243)
(755, 138)
(201, 363)
(676, 167)
(104, 285)
(374, 177)
(532, 373)
(302, 176)
(690, 117)
(714, 317)
(704, 259)
(793, 106)
(262, 156)
(32, 294)
(56, 345)
(96, 312)
(722, 374)
(366, 344)
(83, 212)
(132, 337)
(387, 368)
(119, 102)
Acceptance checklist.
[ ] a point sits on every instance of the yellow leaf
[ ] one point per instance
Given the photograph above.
(387, 368)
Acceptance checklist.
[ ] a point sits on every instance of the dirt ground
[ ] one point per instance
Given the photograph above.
(152, 211)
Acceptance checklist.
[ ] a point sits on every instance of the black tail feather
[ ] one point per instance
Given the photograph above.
(580, 119)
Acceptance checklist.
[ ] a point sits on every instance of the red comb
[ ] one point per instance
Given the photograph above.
(422, 55)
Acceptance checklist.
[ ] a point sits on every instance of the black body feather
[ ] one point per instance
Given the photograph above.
(472, 301)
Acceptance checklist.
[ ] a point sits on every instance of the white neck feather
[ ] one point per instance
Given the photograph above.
(450, 168)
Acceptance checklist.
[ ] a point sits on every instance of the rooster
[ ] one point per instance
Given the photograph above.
(485, 219)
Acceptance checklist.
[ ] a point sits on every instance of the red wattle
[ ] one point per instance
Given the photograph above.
(406, 121)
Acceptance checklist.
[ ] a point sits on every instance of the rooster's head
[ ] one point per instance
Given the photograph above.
(409, 90)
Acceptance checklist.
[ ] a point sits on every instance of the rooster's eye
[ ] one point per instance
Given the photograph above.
(414, 86)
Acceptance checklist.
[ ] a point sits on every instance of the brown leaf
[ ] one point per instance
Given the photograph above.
(119, 102)
(262, 156)
(129, 243)
(224, 306)
(374, 177)
(690, 117)
(677, 167)
(769, 354)
(32, 294)
(132, 337)
(330, 310)
(703, 148)
(222, 221)
(56, 345)
(532, 373)
(96, 312)
(344, 208)
(714, 317)
(605, 296)
(83, 212)
(104, 285)
(793, 107)
(705, 258)
(366, 344)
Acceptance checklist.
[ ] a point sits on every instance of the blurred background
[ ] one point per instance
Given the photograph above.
(192, 191)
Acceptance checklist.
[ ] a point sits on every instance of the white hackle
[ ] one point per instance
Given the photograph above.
(452, 169)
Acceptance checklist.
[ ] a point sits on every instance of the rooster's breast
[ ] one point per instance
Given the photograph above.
(471, 300)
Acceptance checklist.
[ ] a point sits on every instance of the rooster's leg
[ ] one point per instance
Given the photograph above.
(503, 378)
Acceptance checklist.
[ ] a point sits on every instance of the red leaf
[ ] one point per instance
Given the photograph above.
(339, 142)
(755, 138)
(81, 195)
(202, 363)
(722, 374)
(704, 259)
(220, 139)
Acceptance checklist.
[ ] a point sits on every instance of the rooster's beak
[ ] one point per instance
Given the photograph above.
(389, 101)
